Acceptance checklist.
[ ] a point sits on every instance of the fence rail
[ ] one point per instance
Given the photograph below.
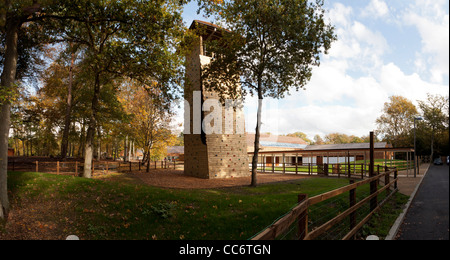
(98, 167)
(299, 214)
(333, 170)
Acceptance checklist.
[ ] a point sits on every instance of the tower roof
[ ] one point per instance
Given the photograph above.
(207, 30)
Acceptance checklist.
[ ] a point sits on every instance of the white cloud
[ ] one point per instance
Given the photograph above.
(432, 23)
(376, 9)
(396, 82)
(339, 101)
(340, 14)
(336, 102)
(360, 47)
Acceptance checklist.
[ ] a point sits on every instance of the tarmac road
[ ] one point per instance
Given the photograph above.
(428, 217)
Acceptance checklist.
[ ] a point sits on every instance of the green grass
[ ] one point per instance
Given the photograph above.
(95, 209)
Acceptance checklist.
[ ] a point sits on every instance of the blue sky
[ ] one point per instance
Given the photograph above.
(384, 48)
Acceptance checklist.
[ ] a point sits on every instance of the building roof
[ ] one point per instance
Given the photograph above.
(208, 30)
(270, 142)
(346, 146)
(175, 149)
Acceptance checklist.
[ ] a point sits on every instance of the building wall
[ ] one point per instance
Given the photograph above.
(212, 156)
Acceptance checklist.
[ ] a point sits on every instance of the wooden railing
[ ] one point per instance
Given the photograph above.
(299, 214)
(98, 167)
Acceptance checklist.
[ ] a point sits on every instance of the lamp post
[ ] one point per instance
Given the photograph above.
(415, 154)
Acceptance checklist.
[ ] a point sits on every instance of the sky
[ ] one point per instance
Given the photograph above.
(384, 48)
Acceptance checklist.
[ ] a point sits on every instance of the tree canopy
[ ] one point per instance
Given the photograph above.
(397, 120)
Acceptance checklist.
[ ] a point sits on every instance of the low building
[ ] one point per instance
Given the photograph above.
(11, 152)
(295, 151)
(338, 152)
(175, 153)
(269, 142)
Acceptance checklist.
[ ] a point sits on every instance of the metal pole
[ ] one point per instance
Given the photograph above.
(415, 160)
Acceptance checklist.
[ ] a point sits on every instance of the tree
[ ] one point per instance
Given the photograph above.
(270, 48)
(338, 138)
(301, 135)
(13, 14)
(149, 123)
(397, 120)
(124, 36)
(435, 112)
(122, 39)
(318, 140)
(68, 115)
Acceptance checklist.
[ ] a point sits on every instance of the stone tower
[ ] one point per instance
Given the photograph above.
(215, 140)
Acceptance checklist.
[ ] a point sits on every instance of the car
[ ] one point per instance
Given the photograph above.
(438, 161)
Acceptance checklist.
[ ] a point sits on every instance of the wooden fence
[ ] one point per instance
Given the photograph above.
(299, 214)
(75, 168)
(347, 170)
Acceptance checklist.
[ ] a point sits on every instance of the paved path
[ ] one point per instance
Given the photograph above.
(407, 184)
(428, 217)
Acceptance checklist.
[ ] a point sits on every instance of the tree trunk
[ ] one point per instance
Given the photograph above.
(7, 82)
(65, 139)
(99, 144)
(149, 157)
(90, 137)
(257, 136)
(81, 149)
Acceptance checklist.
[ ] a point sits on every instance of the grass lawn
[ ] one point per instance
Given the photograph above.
(45, 206)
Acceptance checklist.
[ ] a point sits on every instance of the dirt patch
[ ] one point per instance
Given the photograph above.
(33, 220)
(177, 180)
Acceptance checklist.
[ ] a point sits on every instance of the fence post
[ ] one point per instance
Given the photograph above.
(352, 203)
(302, 219)
(174, 164)
(130, 166)
(395, 177)
(373, 184)
(264, 163)
(107, 167)
(349, 170)
(273, 163)
(362, 171)
(37, 166)
(387, 181)
(378, 173)
(57, 168)
(76, 168)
